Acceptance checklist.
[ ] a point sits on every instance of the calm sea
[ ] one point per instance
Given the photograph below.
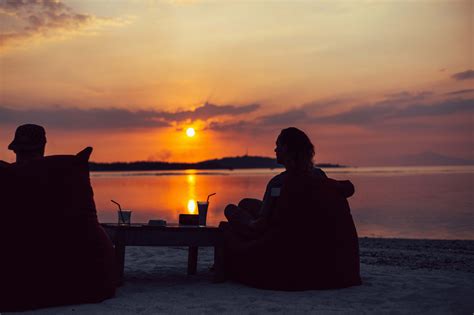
(406, 202)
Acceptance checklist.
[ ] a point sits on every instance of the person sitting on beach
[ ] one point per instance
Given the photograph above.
(301, 236)
(29, 143)
(295, 152)
(54, 250)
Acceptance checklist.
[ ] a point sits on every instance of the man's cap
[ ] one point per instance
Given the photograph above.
(28, 137)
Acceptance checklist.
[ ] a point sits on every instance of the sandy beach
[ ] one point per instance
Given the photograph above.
(399, 276)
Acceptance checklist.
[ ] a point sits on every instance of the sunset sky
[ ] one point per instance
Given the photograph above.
(369, 81)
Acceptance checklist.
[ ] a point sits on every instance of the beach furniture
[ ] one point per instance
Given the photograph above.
(54, 251)
(189, 236)
(311, 241)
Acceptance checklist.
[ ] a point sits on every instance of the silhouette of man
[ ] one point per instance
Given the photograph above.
(29, 143)
(295, 151)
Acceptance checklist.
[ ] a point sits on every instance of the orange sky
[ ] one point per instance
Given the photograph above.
(367, 80)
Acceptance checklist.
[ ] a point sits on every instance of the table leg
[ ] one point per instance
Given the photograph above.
(192, 260)
(120, 257)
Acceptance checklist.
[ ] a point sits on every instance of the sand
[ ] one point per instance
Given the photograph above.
(399, 276)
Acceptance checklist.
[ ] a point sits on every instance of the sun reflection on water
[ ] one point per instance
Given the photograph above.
(191, 180)
(191, 206)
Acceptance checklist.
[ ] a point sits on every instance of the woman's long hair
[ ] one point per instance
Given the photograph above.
(300, 149)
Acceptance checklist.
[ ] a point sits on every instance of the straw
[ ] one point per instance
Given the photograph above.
(210, 197)
(120, 210)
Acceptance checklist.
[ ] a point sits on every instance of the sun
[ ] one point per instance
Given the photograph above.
(190, 132)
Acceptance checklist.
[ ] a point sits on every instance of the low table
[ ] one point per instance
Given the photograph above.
(170, 235)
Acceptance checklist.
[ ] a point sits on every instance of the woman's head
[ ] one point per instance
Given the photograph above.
(294, 149)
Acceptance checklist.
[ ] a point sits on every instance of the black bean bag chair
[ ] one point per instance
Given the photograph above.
(53, 250)
(310, 243)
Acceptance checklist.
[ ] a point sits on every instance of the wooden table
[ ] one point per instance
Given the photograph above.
(170, 235)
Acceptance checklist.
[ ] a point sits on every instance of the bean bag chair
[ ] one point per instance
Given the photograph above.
(311, 241)
(53, 249)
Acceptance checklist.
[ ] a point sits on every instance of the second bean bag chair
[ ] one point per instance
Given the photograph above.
(311, 241)
(54, 251)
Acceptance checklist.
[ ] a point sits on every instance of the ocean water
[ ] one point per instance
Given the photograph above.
(433, 202)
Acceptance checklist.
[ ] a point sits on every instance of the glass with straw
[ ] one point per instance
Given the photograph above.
(124, 216)
(202, 209)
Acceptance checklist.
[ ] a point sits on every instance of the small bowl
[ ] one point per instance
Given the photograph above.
(157, 223)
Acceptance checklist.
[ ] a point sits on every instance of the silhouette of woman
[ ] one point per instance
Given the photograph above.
(302, 235)
(295, 152)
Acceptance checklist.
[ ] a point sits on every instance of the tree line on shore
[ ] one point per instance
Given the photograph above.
(238, 162)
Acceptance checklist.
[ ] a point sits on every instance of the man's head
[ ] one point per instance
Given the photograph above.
(29, 142)
(294, 149)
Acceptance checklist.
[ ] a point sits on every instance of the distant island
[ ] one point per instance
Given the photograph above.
(229, 163)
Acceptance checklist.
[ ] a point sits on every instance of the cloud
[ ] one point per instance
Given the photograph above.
(406, 96)
(322, 106)
(443, 108)
(247, 126)
(360, 114)
(83, 119)
(302, 113)
(460, 92)
(231, 118)
(291, 117)
(465, 75)
(115, 118)
(24, 20)
(209, 110)
(367, 116)
(380, 112)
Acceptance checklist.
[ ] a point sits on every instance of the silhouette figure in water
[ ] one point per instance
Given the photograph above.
(29, 143)
(295, 151)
